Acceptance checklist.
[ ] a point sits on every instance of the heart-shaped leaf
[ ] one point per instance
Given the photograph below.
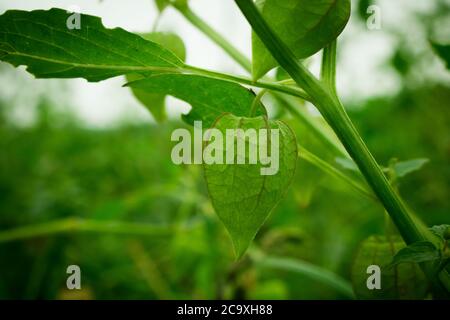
(155, 102)
(243, 195)
(306, 26)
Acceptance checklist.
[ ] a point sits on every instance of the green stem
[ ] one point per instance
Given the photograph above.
(332, 171)
(305, 268)
(306, 119)
(257, 103)
(334, 113)
(260, 84)
(328, 72)
(81, 225)
(215, 36)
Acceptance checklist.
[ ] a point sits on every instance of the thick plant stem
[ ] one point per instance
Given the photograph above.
(335, 115)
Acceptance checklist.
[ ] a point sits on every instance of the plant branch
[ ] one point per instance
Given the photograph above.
(334, 113)
(82, 225)
(332, 171)
(293, 91)
(302, 267)
(328, 71)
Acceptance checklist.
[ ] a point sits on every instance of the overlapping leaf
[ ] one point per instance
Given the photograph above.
(155, 102)
(306, 26)
(209, 97)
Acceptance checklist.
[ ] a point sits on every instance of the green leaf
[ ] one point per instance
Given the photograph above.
(162, 4)
(404, 168)
(442, 231)
(155, 102)
(443, 51)
(208, 97)
(241, 196)
(42, 41)
(306, 26)
(417, 252)
(403, 281)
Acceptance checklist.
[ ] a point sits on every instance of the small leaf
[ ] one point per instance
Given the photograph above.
(42, 41)
(306, 26)
(155, 102)
(404, 168)
(242, 197)
(442, 231)
(417, 252)
(347, 164)
(443, 51)
(403, 281)
(208, 97)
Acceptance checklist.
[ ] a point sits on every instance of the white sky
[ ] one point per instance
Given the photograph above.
(361, 55)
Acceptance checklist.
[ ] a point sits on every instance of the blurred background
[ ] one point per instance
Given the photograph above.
(86, 176)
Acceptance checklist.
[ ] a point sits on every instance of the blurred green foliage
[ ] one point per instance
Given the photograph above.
(50, 172)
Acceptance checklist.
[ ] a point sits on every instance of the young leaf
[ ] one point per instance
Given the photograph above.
(306, 26)
(406, 167)
(208, 97)
(443, 51)
(403, 281)
(42, 41)
(442, 231)
(417, 252)
(155, 102)
(242, 197)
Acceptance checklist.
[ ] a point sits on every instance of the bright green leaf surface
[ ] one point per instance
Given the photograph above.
(42, 41)
(208, 97)
(306, 26)
(404, 281)
(155, 102)
(241, 196)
